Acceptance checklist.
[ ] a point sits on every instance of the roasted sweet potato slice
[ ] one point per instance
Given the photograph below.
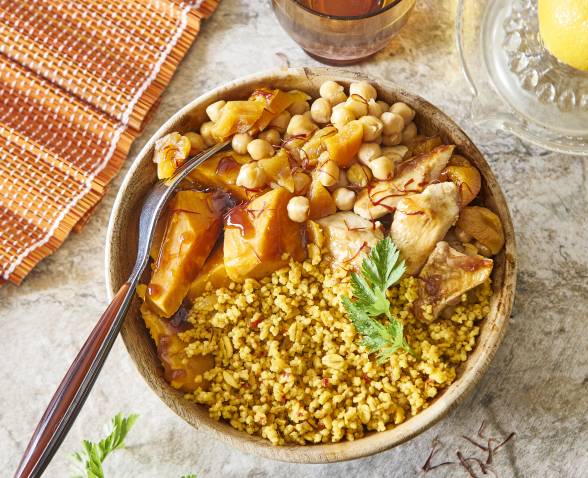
(321, 201)
(344, 145)
(193, 228)
(258, 234)
(180, 370)
(277, 168)
(238, 117)
(221, 171)
(213, 271)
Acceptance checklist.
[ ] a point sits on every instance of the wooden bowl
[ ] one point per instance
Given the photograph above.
(120, 256)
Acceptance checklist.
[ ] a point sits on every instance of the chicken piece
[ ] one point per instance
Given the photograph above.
(349, 237)
(445, 277)
(258, 234)
(193, 228)
(221, 171)
(180, 370)
(412, 176)
(422, 220)
(213, 271)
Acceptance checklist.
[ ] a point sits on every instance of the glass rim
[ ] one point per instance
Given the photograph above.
(351, 17)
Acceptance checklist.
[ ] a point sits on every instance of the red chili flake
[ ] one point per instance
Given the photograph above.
(246, 385)
(321, 426)
(283, 399)
(366, 378)
(325, 382)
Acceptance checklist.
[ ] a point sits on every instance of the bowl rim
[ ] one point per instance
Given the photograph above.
(375, 442)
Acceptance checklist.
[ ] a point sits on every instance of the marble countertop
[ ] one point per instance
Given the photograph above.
(536, 385)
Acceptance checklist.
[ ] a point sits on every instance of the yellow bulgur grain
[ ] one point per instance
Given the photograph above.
(288, 364)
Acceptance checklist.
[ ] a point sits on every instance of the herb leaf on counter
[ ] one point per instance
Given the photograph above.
(381, 269)
(94, 454)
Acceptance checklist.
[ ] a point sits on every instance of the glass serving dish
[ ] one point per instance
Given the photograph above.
(518, 85)
(341, 40)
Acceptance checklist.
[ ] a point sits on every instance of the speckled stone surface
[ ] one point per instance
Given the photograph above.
(537, 385)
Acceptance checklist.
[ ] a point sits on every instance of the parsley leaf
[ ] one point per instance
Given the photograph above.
(381, 269)
(94, 454)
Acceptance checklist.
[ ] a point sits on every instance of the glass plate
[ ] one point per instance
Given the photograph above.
(518, 85)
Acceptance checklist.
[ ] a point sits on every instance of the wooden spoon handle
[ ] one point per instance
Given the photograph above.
(75, 387)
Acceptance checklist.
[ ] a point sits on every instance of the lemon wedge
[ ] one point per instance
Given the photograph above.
(563, 25)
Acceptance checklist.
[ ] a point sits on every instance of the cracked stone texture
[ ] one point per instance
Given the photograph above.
(536, 385)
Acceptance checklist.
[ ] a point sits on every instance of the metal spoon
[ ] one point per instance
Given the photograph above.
(79, 379)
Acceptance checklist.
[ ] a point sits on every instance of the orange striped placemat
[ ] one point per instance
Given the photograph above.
(77, 80)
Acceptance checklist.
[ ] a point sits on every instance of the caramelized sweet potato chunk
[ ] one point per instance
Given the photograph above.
(221, 171)
(277, 168)
(238, 117)
(321, 201)
(193, 228)
(344, 145)
(465, 176)
(276, 102)
(213, 271)
(171, 151)
(180, 370)
(258, 234)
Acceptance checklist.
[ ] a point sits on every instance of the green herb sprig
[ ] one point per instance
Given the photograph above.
(94, 454)
(381, 269)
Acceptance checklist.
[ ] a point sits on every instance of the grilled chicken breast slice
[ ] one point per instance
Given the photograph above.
(422, 220)
(445, 277)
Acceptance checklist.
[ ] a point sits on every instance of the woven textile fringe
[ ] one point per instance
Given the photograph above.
(77, 81)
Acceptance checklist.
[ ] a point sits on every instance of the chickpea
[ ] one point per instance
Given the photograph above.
(259, 149)
(251, 176)
(300, 124)
(301, 182)
(281, 121)
(382, 168)
(298, 208)
(409, 133)
(400, 150)
(206, 133)
(299, 107)
(403, 110)
(320, 111)
(372, 128)
(392, 140)
(357, 105)
(333, 92)
(393, 123)
(214, 110)
(341, 116)
(385, 106)
(375, 109)
(342, 179)
(369, 151)
(363, 89)
(197, 143)
(272, 136)
(358, 176)
(240, 142)
(327, 173)
(344, 199)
